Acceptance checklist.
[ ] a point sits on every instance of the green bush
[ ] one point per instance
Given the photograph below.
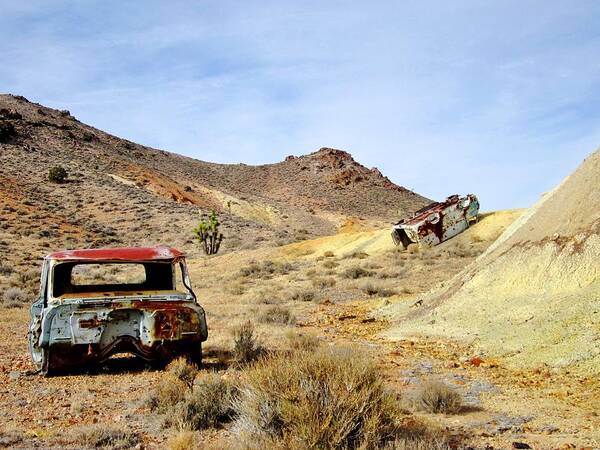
(246, 347)
(57, 174)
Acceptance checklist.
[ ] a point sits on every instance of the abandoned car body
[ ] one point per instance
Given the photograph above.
(95, 303)
(437, 222)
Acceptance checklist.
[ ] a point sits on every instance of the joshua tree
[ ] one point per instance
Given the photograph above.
(207, 233)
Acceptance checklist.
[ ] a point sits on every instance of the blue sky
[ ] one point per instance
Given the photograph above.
(501, 99)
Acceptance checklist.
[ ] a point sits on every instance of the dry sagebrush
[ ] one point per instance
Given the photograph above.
(326, 399)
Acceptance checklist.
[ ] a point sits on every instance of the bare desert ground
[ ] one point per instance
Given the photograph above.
(487, 341)
(332, 289)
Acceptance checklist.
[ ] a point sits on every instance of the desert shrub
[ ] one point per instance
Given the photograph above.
(437, 397)
(302, 341)
(14, 297)
(57, 174)
(181, 369)
(207, 405)
(278, 315)
(330, 264)
(418, 435)
(246, 347)
(267, 269)
(371, 289)
(385, 292)
(5, 270)
(386, 274)
(105, 436)
(236, 288)
(329, 399)
(252, 269)
(183, 440)
(356, 272)
(356, 255)
(168, 391)
(302, 295)
(322, 283)
(328, 254)
(311, 273)
(7, 132)
(29, 277)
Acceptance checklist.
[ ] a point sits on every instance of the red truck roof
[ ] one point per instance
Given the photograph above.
(161, 253)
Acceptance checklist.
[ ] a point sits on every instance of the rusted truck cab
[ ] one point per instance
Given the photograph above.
(95, 303)
(437, 222)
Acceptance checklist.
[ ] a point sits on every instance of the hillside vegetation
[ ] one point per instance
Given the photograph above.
(118, 193)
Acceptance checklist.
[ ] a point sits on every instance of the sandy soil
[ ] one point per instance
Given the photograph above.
(545, 408)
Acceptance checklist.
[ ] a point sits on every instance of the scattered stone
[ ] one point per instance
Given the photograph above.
(14, 375)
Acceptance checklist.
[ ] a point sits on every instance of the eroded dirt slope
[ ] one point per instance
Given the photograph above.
(532, 298)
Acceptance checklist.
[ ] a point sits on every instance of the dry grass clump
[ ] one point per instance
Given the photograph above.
(302, 341)
(181, 369)
(278, 315)
(168, 391)
(437, 397)
(386, 274)
(330, 264)
(236, 288)
(266, 270)
(329, 399)
(356, 272)
(183, 440)
(356, 255)
(462, 251)
(207, 405)
(380, 291)
(5, 270)
(29, 278)
(246, 347)
(323, 282)
(104, 436)
(302, 295)
(419, 435)
(14, 297)
(328, 254)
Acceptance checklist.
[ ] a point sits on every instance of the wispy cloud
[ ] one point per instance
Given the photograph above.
(501, 100)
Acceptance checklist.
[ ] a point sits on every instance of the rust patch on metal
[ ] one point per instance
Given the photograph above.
(437, 222)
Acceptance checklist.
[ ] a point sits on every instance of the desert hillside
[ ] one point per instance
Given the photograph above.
(532, 297)
(120, 193)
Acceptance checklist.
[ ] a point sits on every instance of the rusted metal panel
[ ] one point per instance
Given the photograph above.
(70, 326)
(118, 254)
(437, 222)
